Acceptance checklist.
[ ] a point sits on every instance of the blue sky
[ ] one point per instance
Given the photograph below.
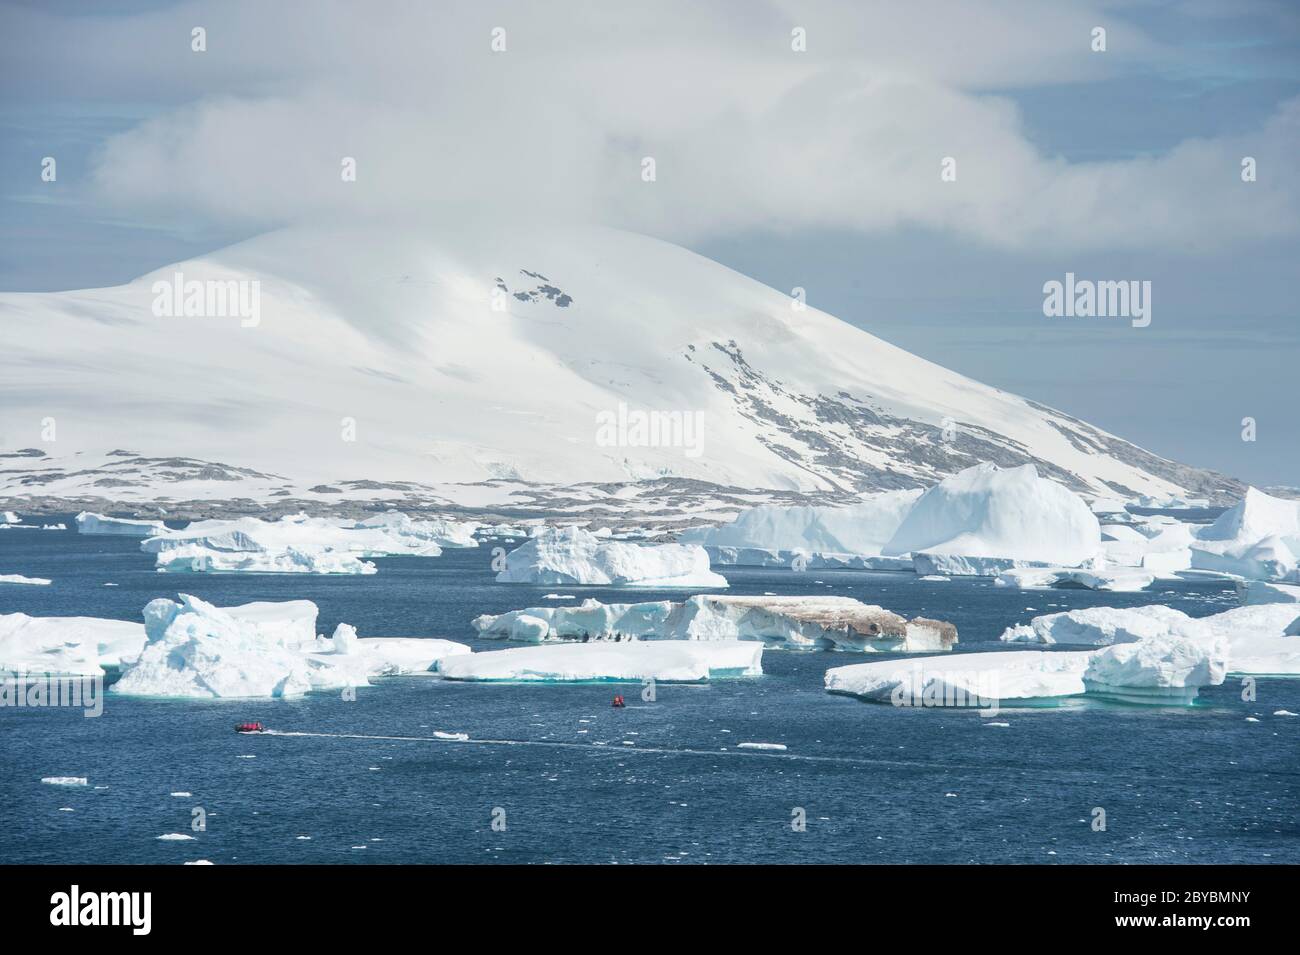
(1080, 163)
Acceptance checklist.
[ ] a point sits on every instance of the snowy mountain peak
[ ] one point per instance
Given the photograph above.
(558, 356)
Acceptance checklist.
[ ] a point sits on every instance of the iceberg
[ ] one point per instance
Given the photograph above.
(66, 646)
(986, 520)
(669, 661)
(571, 555)
(194, 649)
(1164, 669)
(1257, 538)
(1258, 640)
(814, 622)
(1121, 579)
(9, 517)
(269, 650)
(302, 544)
(89, 523)
(966, 679)
(772, 535)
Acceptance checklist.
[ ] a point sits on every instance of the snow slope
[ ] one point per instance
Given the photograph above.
(377, 356)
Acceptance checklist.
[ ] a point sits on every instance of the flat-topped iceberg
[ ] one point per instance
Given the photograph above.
(90, 523)
(986, 520)
(814, 622)
(66, 646)
(966, 679)
(669, 661)
(302, 544)
(571, 555)
(773, 534)
(1257, 538)
(1165, 669)
(1261, 640)
(1121, 579)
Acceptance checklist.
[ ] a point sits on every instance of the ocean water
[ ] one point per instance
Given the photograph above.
(577, 781)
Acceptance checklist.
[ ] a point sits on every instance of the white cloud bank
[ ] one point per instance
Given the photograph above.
(745, 132)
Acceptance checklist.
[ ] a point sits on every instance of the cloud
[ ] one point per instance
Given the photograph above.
(746, 134)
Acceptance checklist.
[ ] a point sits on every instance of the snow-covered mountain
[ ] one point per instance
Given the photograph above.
(394, 362)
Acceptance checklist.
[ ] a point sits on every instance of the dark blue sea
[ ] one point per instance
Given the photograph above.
(876, 783)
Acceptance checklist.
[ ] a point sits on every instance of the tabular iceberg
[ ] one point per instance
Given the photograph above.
(669, 661)
(814, 622)
(66, 646)
(1164, 669)
(967, 679)
(302, 544)
(89, 523)
(571, 555)
(986, 520)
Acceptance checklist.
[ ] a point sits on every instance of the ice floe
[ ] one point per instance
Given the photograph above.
(20, 579)
(65, 780)
(670, 661)
(813, 622)
(571, 555)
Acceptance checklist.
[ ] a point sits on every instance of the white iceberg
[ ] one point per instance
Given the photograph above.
(571, 555)
(9, 517)
(1257, 538)
(1122, 579)
(194, 649)
(966, 679)
(1097, 626)
(1164, 669)
(773, 534)
(66, 646)
(90, 523)
(65, 780)
(1256, 640)
(302, 544)
(986, 520)
(669, 661)
(813, 622)
(262, 650)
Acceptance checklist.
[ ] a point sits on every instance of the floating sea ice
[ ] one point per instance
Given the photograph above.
(176, 837)
(773, 746)
(20, 579)
(64, 780)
